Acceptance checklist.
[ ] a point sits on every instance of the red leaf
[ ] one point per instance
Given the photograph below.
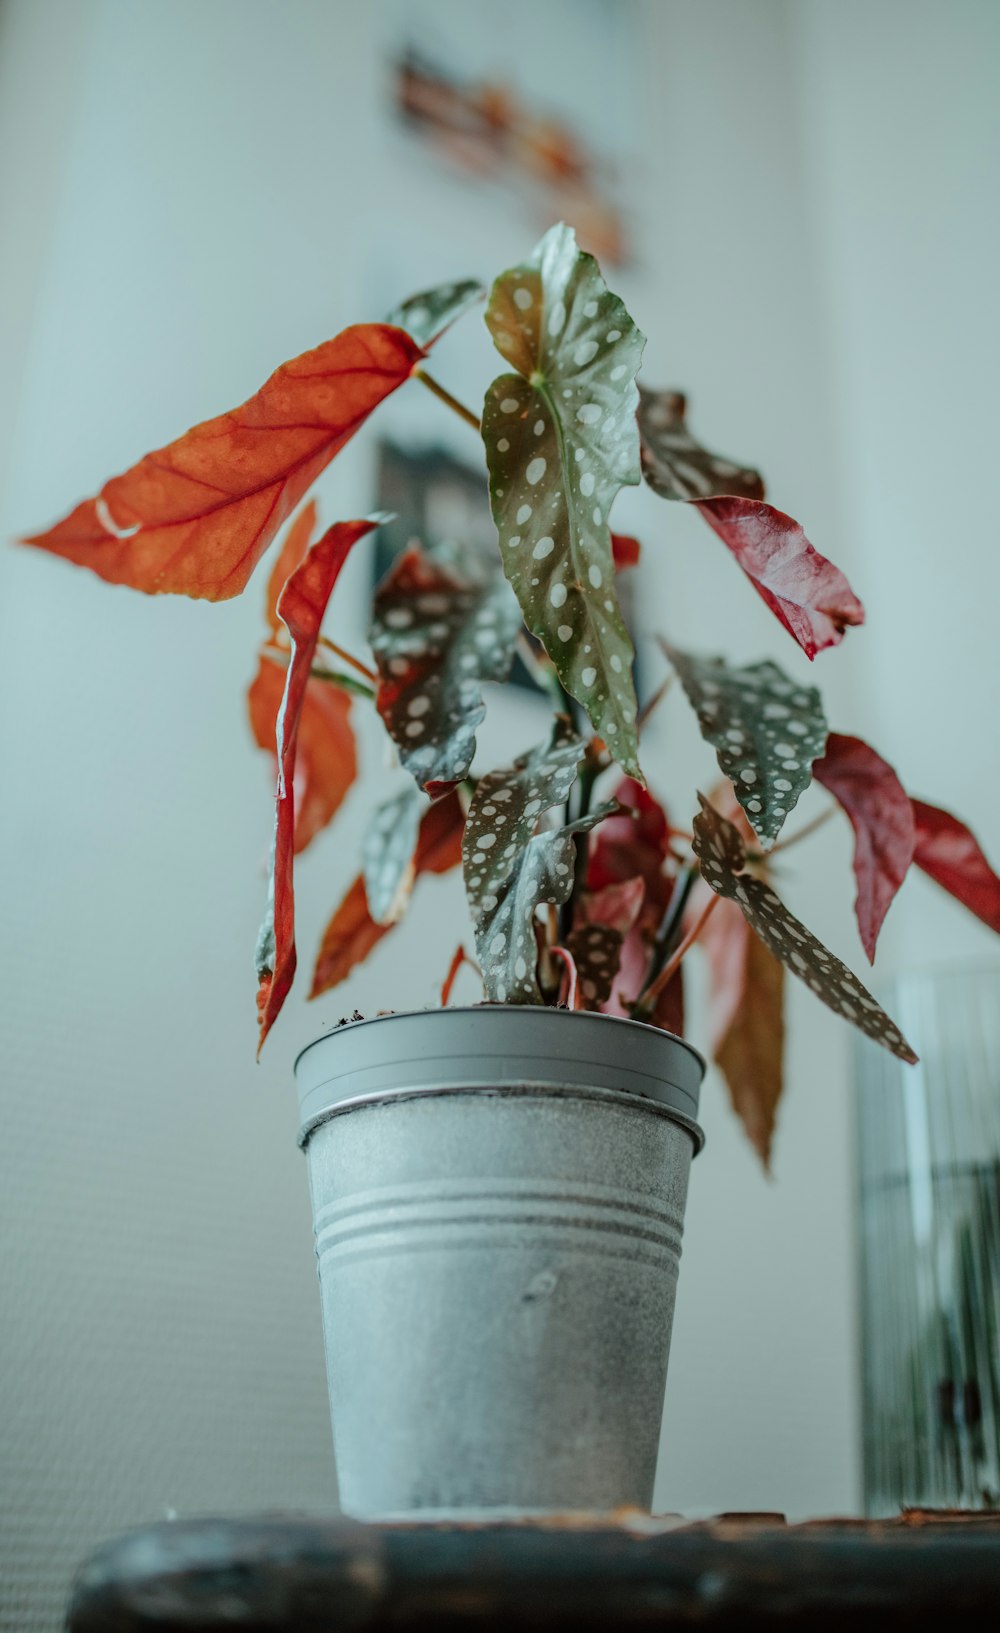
(301, 606)
(294, 547)
(194, 518)
(746, 989)
(950, 853)
(625, 550)
(882, 818)
(806, 593)
(616, 905)
(626, 845)
(326, 763)
(352, 932)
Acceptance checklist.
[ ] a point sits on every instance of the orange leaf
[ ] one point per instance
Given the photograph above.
(746, 987)
(326, 762)
(347, 940)
(301, 606)
(352, 932)
(194, 518)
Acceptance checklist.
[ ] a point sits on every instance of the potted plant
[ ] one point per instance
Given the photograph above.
(499, 1189)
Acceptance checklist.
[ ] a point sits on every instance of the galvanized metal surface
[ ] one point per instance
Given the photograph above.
(498, 1259)
(286, 1575)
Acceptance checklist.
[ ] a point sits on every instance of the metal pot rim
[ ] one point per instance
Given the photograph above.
(524, 1049)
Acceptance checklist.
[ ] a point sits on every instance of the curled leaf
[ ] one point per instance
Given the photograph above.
(806, 593)
(765, 729)
(436, 638)
(722, 858)
(352, 933)
(388, 854)
(678, 467)
(293, 547)
(326, 760)
(950, 854)
(301, 606)
(426, 316)
(561, 441)
(881, 815)
(195, 517)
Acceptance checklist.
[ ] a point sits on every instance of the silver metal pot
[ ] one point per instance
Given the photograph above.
(498, 1198)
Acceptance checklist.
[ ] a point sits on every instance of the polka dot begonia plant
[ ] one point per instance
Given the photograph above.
(580, 888)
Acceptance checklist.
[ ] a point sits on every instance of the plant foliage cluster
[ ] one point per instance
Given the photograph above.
(581, 890)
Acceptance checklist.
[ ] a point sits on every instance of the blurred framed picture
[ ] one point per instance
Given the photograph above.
(472, 87)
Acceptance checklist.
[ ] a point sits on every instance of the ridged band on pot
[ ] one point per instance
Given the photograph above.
(498, 1199)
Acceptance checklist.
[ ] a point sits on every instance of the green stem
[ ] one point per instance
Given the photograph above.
(446, 397)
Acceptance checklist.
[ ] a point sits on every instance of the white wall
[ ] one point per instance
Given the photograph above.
(194, 223)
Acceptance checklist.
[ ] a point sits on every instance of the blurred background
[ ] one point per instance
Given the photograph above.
(797, 201)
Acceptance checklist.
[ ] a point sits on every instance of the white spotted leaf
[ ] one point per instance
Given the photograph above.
(721, 859)
(510, 870)
(597, 952)
(766, 731)
(561, 441)
(426, 316)
(388, 855)
(678, 467)
(435, 638)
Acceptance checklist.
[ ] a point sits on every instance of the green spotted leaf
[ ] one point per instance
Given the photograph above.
(561, 441)
(436, 637)
(510, 870)
(721, 859)
(766, 731)
(426, 316)
(678, 467)
(388, 855)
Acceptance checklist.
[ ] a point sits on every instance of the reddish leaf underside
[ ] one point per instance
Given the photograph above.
(806, 593)
(625, 550)
(326, 761)
(352, 932)
(745, 1001)
(881, 815)
(301, 606)
(951, 855)
(195, 517)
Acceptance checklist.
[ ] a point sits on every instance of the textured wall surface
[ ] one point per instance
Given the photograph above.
(179, 220)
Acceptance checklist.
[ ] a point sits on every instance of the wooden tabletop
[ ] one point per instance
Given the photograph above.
(927, 1570)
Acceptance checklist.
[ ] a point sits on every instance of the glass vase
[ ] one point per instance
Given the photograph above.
(929, 1169)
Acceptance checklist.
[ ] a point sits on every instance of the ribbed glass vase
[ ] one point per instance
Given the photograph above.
(929, 1166)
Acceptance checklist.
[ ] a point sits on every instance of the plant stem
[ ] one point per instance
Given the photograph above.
(347, 683)
(672, 965)
(346, 657)
(803, 833)
(453, 403)
(653, 702)
(585, 784)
